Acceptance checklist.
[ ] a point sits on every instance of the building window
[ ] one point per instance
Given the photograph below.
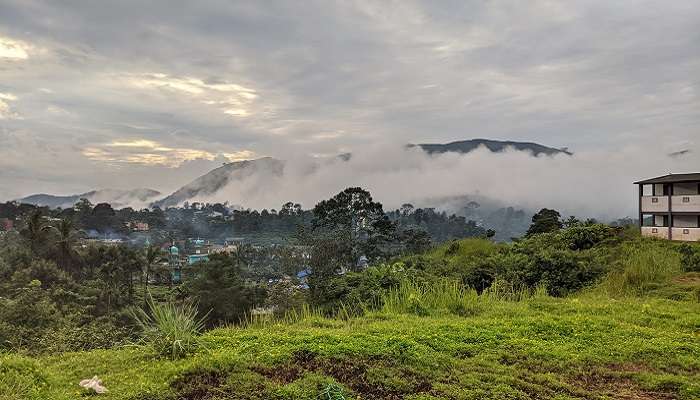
(686, 199)
(654, 199)
(654, 230)
(686, 231)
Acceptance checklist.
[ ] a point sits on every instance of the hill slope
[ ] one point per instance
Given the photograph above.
(541, 348)
(211, 182)
(117, 198)
(496, 146)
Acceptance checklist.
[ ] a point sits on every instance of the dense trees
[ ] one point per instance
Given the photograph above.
(544, 221)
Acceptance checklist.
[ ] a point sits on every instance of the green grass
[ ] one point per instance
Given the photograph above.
(540, 347)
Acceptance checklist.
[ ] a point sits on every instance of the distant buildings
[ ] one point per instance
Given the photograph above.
(6, 224)
(669, 207)
(138, 226)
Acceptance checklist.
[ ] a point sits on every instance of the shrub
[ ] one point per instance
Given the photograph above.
(171, 329)
(441, 297)
(642, 267)
(690, 257)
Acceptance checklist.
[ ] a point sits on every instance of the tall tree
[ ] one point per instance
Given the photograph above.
(66, 236)
(544, 221)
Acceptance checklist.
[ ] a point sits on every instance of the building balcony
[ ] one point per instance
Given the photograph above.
(685, 234)
(680, 234)
(679, 204)
(660, 232)
(655, 204)
(686, 203)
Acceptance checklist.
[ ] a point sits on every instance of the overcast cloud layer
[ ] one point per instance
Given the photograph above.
(127, 94)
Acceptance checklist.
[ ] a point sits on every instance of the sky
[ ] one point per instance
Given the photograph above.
(128, 94)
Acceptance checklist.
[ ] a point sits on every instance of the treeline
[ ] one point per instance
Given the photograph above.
(59, 292)
(218, 220)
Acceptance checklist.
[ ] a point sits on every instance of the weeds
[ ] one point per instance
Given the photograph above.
(642, 268)
(171, 329)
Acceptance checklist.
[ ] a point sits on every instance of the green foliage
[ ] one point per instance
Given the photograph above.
(220, 290)
(641, 267)
(21, 378)
(171, 329)
(545, 221)
(690, 256)
(442, 297)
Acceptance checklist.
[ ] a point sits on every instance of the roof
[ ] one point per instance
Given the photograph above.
(672, 178)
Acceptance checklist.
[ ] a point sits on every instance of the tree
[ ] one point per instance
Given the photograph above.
(152, 256)
(35, 231)
(66, 237)
(353, 217)
(544, 221)
(220, 289)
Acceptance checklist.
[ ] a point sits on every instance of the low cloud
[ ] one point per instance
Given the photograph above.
(588, 184)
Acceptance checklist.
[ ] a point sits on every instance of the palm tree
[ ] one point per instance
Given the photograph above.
(34, 231)
(66, 237)
(151, 257)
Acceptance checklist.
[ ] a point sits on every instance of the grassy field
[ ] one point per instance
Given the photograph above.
(586, 347)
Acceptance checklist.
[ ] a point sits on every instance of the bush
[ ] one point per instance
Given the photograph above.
(171, 329)
(690, 257)
(643, 267)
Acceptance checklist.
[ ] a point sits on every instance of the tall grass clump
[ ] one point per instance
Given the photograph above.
(441, 297)
(642, 267)
(171, 329)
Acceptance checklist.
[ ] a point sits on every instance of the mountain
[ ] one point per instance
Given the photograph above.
(117, 198)
(210, 183)
(495, 146)
(207, 185)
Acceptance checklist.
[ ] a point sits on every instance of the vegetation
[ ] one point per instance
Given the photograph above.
(170, 329)
(573, 310)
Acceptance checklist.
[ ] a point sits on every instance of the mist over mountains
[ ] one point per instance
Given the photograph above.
(210, 184)
(136, 198)
(525, 176)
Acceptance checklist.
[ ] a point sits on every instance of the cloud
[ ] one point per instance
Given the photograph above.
(13, 49)
(231, 98)
(149, 152)
(6, 112)
(213, 78)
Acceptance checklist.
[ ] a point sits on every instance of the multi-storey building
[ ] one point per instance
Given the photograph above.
(669, 207)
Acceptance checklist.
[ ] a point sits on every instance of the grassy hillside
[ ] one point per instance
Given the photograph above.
(633, 332)
(539, 347)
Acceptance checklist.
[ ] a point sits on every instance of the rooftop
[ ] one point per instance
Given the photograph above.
(672, 178)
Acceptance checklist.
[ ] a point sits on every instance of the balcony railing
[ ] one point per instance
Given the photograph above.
(681, 234)
(686, 203)
(655, 204)
(681, 203)
(660, 232)
(686, 234)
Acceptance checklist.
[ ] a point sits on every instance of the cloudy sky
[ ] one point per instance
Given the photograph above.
(125, 94)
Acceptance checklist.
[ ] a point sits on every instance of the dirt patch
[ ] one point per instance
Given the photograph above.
(614, 384)
(285, 373)
(689, 279)
(199, 384)
(351, 372)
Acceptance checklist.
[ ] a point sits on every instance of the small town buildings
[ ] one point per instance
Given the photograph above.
(669, 207)
(6, 224)
(138, 226)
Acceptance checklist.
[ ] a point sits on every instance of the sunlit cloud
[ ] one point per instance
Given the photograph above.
(13, 49)
(6, 112)
(149, 152)
(230, 98)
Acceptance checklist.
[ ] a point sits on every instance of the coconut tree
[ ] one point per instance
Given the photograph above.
(66, 236)
(151, 258)
(35, 231)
